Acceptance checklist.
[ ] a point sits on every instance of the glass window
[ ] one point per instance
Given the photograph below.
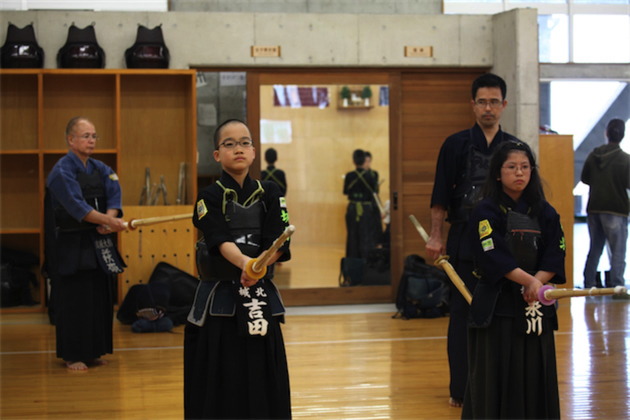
(600, 1)
(601, 38)
(539, 1)
(569, 115)
(553, 38)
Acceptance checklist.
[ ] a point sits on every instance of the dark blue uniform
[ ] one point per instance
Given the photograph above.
(463, 160)
(82, 289)
(511, 344)
(231, 371)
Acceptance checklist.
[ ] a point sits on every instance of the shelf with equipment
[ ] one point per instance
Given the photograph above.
(145, 118)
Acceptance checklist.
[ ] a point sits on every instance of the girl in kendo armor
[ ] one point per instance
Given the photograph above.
(519, 246)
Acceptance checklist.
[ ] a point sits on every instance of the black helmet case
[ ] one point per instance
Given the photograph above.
(149, 50)
(20, 49)
(81, 50)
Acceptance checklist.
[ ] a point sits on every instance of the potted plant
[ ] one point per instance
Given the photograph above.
(345, 95)
(366, 94)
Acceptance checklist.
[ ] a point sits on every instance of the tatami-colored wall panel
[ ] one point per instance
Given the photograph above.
(145, 247)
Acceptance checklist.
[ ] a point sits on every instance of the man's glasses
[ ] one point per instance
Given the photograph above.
(514, 168)
(231, 144)
(87, 136)
(494, 103)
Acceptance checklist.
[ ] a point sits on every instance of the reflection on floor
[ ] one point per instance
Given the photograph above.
(581, 245)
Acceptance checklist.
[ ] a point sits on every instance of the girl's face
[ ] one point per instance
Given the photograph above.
(236, 151)
(515, 174)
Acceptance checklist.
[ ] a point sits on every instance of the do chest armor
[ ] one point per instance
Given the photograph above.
(468, 186)
(93, 191)
(81, 50)
(245, 225)
(523, 236)
(21, 50)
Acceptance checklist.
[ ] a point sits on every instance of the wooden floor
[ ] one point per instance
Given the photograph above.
(351, 366)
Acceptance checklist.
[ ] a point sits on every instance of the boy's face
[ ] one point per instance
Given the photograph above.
(238, 158)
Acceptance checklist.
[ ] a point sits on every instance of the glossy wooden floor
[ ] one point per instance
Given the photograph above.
(352, 366)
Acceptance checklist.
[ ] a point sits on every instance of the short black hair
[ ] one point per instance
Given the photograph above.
(217, 132)
(271, 156)
(368, 154)
(358, 157)
(615, 130)
(489, 80)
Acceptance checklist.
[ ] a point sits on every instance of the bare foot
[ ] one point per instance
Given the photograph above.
(98, 362)
(76, 366)
(454, 402)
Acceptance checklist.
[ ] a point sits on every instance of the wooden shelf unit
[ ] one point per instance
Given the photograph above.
(145, 118)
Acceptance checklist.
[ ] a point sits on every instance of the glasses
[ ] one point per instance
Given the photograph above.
(514, 168)
(231, 144)
(87, 136)
(494, 103)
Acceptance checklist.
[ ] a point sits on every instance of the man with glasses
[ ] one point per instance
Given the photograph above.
(461, 169)
(83, 207)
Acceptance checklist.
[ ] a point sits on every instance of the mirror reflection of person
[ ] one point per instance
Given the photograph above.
(359, 185)
(272, 173)
(378, 217)
(518, 244)
(460, 172)
(86, 201)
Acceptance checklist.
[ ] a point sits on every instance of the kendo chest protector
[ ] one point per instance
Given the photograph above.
(20, 49)
(81, 50)
(149, 50)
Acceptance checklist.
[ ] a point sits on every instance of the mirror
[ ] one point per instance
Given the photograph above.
(314, 131)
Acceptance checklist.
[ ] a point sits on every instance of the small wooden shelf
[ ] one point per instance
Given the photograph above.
(19, 152)
(20, 231)
(356, 101)
(354, 107)
(97, 152)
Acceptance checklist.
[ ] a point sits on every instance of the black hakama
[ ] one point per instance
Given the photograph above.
(85, 314)
(251, 382)
(513, 375)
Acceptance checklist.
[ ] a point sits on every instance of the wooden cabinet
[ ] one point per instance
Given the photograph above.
(145, 118)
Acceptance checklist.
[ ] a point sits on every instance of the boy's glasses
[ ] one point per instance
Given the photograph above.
(231, 144)
(495, 103)
(514, 168)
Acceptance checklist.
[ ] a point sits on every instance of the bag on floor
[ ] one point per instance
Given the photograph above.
(377, 271)
(423, 290)
(351, 273)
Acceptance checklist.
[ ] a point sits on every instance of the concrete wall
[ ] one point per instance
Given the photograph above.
(310, 6)
(506, 42)
(516, 60)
